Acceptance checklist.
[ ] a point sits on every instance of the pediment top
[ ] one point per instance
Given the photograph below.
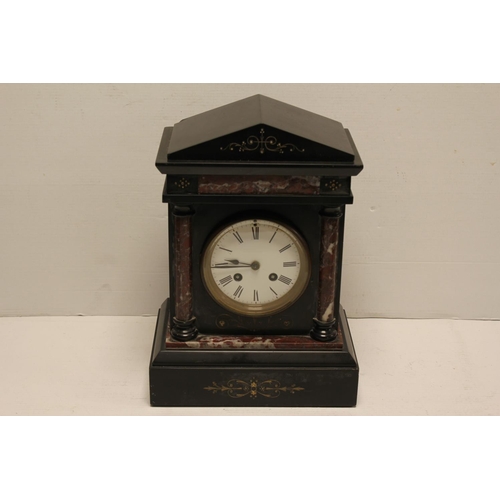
(261, 129)
(258, 136)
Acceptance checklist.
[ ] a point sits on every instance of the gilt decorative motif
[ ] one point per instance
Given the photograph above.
(182, 183)
(333, 185)
(263, 144)
(236, 388)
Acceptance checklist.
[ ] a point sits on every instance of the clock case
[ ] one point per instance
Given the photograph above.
(256, 158)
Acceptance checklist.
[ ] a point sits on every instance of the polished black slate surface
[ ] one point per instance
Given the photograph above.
(258, 135)
(258, 110)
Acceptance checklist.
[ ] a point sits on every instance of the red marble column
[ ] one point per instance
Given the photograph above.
(325, 328)
(183, 322)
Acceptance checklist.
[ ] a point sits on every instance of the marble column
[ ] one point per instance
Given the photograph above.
(183, 327)
(325, 327)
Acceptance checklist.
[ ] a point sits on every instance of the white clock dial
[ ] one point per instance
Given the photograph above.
(256, 267)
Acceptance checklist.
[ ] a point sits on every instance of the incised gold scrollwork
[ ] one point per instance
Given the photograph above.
(269, 143)
(236, 388)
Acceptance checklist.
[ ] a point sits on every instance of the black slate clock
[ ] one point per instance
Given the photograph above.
(256, 193)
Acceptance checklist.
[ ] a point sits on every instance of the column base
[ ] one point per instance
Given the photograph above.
(184, 330)
(324, 332)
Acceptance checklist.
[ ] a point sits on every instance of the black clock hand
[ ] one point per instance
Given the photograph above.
(254, 265)
(237, 262)
(227, 266)
(230, 267)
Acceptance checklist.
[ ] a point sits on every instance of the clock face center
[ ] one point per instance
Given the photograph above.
(256, 267)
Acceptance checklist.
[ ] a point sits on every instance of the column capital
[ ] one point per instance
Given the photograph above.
(334, 212)
(183, 210)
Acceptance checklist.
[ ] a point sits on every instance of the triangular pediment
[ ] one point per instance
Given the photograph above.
(259, 129)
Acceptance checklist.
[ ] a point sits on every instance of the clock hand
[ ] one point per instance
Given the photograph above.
(227, 266)
(254, 265)
(234, 261)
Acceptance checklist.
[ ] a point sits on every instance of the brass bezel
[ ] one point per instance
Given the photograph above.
(254, 310)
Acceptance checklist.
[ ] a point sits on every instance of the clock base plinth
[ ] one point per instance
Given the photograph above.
(268, 371)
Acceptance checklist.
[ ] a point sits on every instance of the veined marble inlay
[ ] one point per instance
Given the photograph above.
(253, 184)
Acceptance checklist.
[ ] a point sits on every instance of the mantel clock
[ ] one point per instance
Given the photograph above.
(256, 193)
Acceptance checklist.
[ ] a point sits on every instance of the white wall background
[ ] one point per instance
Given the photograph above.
(83, 229)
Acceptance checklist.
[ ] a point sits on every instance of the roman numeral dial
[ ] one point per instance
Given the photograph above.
(256, 267)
